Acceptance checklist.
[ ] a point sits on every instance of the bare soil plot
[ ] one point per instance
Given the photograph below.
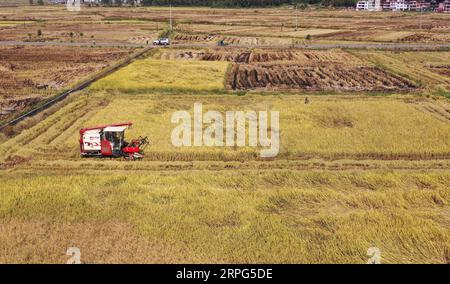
(253, 30)
(325, 77)
(306, 57)
(30, 74)
(253, 57)
(263, 216)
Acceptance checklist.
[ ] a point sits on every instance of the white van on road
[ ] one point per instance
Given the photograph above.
(161, 41)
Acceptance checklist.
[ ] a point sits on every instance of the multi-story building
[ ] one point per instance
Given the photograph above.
(386, 5)
(446, 5)
(413, 5)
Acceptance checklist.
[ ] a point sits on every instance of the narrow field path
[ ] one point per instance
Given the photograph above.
(381, 46)
(112, 165)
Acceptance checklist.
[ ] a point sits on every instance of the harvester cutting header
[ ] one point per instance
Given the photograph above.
(109, 141)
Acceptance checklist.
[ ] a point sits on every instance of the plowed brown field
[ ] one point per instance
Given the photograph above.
(291, 69)
(30, 74)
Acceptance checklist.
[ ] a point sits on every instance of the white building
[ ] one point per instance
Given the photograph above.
(400, 5)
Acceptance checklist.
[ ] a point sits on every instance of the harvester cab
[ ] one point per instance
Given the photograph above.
(109, 141)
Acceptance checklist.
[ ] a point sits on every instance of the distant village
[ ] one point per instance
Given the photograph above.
(403, 5)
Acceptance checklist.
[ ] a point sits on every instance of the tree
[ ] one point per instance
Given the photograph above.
(40, 2)
(39, 33)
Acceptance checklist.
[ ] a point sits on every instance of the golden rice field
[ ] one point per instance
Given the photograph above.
(222, 216)
(328, 127)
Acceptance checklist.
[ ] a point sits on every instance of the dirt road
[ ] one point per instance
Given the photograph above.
(382, 46)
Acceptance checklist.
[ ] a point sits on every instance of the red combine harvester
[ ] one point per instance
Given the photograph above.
(109, 141)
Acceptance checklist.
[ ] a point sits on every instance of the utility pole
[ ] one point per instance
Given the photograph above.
(170, 24)
(296, 16)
